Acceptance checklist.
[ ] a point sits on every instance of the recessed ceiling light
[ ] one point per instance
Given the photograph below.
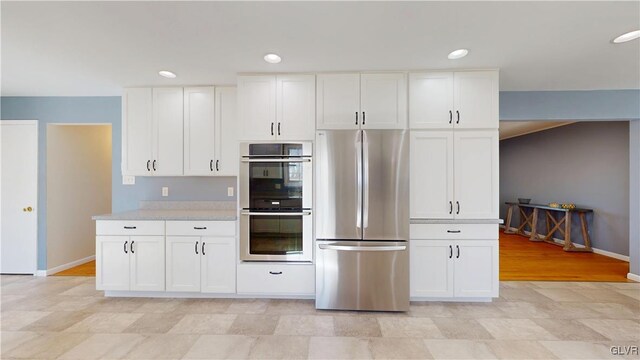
(167, 74)
(457, 54)
(272, 58)
(631, 35)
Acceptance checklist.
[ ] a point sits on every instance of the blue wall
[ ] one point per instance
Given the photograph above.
(83, 110)
(570, 105)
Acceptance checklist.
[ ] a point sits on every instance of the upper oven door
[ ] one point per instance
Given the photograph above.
(276, 177)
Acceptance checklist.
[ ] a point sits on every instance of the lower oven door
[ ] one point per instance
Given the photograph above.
(362, 275)
(276, 236)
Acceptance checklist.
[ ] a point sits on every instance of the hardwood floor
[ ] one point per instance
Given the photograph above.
(521, 259)
(86, 269)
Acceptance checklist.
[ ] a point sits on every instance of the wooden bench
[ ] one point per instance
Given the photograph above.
(531, 219)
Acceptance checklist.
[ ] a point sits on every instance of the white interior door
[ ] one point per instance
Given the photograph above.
(19, 186)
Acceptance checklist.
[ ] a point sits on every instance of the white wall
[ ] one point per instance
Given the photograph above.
(78, 187)
(634, 197)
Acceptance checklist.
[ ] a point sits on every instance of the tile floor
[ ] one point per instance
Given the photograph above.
(66, 318)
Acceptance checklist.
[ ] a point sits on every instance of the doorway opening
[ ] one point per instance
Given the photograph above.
(79, 160)
(551, 163)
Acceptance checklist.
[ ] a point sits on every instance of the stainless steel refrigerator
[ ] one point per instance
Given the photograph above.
(362, 220)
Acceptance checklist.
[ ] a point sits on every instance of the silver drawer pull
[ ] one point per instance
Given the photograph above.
(296, 160)
(130, 227)
(265, 213)
(362, 248)
(199, 228)
(454, 231)
(275, 272)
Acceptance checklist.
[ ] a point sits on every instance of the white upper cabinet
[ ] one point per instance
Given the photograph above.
(137, 128)
(476, 174)
(210, 131)
(362, 101)
(338, 99)
(199, 131)
(383, 100)
(226, 158)
(431, 179)
(296, 107)
(431, 100)
(152, 127)
(462, 100)
(476, 99)
(274, 107)
(454, 174)
(168, 127)
(257, 107)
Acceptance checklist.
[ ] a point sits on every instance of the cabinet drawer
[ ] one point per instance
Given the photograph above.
(201, 228)
(454, 231)
(278, 279)
(129, 227)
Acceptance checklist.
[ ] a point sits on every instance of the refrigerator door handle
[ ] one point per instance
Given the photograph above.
(358, 145)
(361, 248)
(365, 181)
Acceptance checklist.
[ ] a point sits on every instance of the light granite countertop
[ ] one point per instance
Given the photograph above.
(178, 210)
(456, 221)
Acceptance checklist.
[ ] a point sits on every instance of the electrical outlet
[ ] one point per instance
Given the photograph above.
(230, 191)
(128, 180)
(165, 191)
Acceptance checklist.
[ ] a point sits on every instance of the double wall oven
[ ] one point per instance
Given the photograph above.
(276, 221)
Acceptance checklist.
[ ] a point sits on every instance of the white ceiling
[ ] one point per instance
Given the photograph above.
(511, 129)
(96, 48)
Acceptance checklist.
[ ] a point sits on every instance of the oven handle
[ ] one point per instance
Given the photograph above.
(297, 160)
(246, 212)
(362, 248)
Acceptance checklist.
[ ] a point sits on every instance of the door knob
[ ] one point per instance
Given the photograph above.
(27, 209)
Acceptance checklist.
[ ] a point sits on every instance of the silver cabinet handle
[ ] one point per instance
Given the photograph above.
(275, 272)
(362, 248)
(458, 252)
(271, 129)
(267, 213)
(199, 228)
(125, 246)
(196, 247)
(292, 160)
(211, 165)
(217, 165)
(458, 114)
(458, 205)
(131, 247)
(450, 251)
(450, 117)
(148, 162)
(450, 207)
(454, 231)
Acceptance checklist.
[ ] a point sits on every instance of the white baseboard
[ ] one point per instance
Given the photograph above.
(197, 295)
(66, 266)
(595, 250)
(633, 277)
(40, 273)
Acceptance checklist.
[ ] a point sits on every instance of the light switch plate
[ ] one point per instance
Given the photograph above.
(230, 191)
(128, 180)
(165, 191)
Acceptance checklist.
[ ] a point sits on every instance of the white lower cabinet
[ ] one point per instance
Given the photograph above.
(454, 268)
(130, 263)
(277, 279)
(201, 256)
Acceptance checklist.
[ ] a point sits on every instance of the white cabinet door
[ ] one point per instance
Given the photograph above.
(476, 174)
(147, 263)
(112, 263)
(431, 268)
(168, 131)
(296, 107)
(338, 101)
(137, 131)
(476, 268)
(476, 99)
(227, 159)
(383, 99)
(200, 135)
(218, 265)
(257, 107)
(183, 263)
(431, 175)
(431, 100)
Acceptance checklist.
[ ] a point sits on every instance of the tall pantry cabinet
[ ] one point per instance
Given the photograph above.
(453, 117)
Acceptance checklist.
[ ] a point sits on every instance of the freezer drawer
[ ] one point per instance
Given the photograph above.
(362, 275)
